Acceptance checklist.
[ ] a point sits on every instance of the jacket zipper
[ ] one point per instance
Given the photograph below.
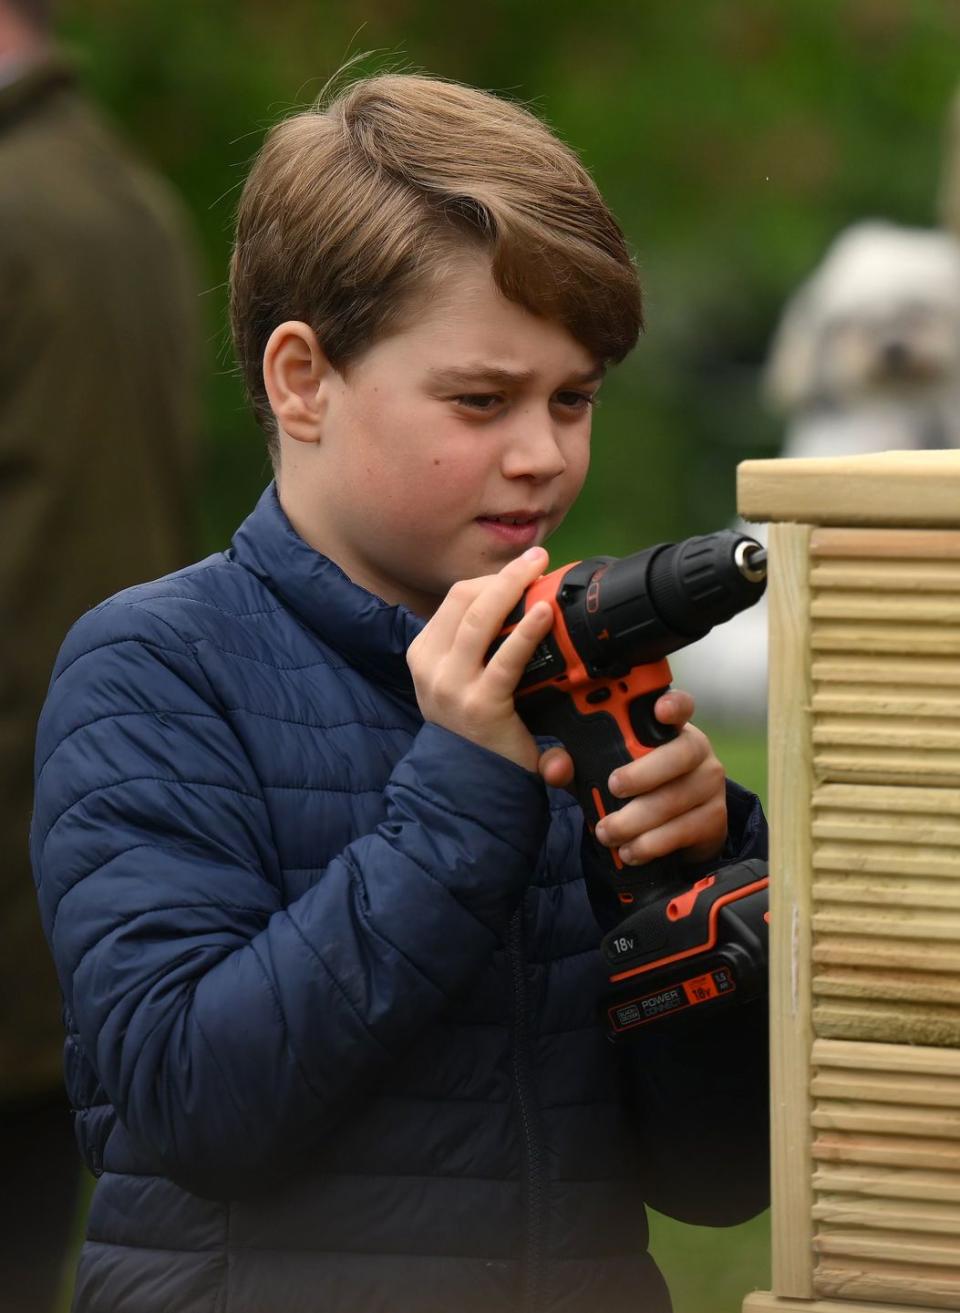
(526, 1101)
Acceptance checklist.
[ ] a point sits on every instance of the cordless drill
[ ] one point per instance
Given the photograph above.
(592, 684)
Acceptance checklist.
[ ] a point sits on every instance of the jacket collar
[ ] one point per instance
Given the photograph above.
(32, 83)
(368, 632)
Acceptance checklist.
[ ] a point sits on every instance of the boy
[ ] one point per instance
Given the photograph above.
(329, 963)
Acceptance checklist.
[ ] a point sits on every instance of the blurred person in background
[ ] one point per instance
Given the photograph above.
(99, 351)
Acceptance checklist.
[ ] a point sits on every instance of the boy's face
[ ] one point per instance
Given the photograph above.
(448, 448)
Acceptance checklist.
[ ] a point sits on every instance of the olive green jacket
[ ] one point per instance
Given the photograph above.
(98, 371)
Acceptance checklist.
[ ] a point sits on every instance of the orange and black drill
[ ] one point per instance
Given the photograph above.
(592, 684)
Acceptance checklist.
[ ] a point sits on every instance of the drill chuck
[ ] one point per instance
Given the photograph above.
(642, 607)
(706, 581)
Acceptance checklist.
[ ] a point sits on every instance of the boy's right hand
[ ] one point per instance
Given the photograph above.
(454, 687)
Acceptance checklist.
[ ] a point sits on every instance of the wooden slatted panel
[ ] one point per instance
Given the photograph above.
(886, 1178)
(885, 639)
(886, 913)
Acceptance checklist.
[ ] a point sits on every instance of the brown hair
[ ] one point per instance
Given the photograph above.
(350, 209)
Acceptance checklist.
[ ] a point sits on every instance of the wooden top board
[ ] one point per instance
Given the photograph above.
(908, 488)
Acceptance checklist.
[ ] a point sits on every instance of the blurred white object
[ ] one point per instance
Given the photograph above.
(866, 358)
(867, 354)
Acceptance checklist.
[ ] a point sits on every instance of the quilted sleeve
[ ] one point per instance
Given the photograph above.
(230, 1031)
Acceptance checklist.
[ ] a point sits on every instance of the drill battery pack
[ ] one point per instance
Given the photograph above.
(690, 954)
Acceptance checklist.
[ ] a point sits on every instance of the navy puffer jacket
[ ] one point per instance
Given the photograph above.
(330, 977)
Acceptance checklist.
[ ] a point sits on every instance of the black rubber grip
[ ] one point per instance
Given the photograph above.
(597, 746)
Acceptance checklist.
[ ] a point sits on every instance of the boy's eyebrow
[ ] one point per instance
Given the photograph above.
(474, 374)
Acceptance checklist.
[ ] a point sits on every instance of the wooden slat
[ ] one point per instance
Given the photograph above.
(890, 1248)
(895, 544)
(883, 1119)
(886, 1087)
(765, 1301)
(898, 924)
(857, 799)
(888, 859)
(919, 489)
(890, 1023)
(888, 732)
(914, 828)
(888, 1215)
(867, 574)
(886, 953)
(933, 704)
(905, 669)
(925, 1286)
(908, 608)
(861, 765)
(935, 989)
(915, 1059)
(886, 1182)
(790, 775)
(889, 891)
(881, 1150)
(883, 638)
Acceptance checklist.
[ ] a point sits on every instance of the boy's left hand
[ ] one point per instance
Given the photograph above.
(677, 794)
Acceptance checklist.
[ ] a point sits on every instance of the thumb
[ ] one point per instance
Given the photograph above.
(556, 768)
(674, 708)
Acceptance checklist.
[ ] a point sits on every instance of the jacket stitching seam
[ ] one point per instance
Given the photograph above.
(357, 881)
(339, 988)
(119, 642)
(134, 847)
(120, 715)
(334, 724)
(146, 604)
(139, 779)
(167, 907)
(437, 881)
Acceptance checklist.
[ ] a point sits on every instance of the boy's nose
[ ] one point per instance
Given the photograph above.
(533, 451)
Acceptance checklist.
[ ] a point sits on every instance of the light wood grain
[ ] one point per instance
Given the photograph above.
(868, 1278)
(870, 546)
(916, 1060)
(790, 790)
(764, 1301)
(890, 488)
(865, 899)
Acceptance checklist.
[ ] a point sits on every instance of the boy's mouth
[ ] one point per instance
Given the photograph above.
(512, 519)
(518, 528)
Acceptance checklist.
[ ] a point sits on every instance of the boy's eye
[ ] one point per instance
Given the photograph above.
(479, 400)
(576, 400)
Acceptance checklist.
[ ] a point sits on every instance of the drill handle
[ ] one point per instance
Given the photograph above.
(599, 740)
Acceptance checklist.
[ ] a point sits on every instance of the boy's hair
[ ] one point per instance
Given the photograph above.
(354, 207)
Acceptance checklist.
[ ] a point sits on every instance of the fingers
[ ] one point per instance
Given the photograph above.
(439, 633)
(677, 802)
(472, 613)
(484, 616)
(556, 768)
(679, 757)
(507, 664)
(455, 685)
(698, 834)
(674, 708)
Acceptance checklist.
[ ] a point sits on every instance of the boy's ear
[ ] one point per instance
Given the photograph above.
(295, 372)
